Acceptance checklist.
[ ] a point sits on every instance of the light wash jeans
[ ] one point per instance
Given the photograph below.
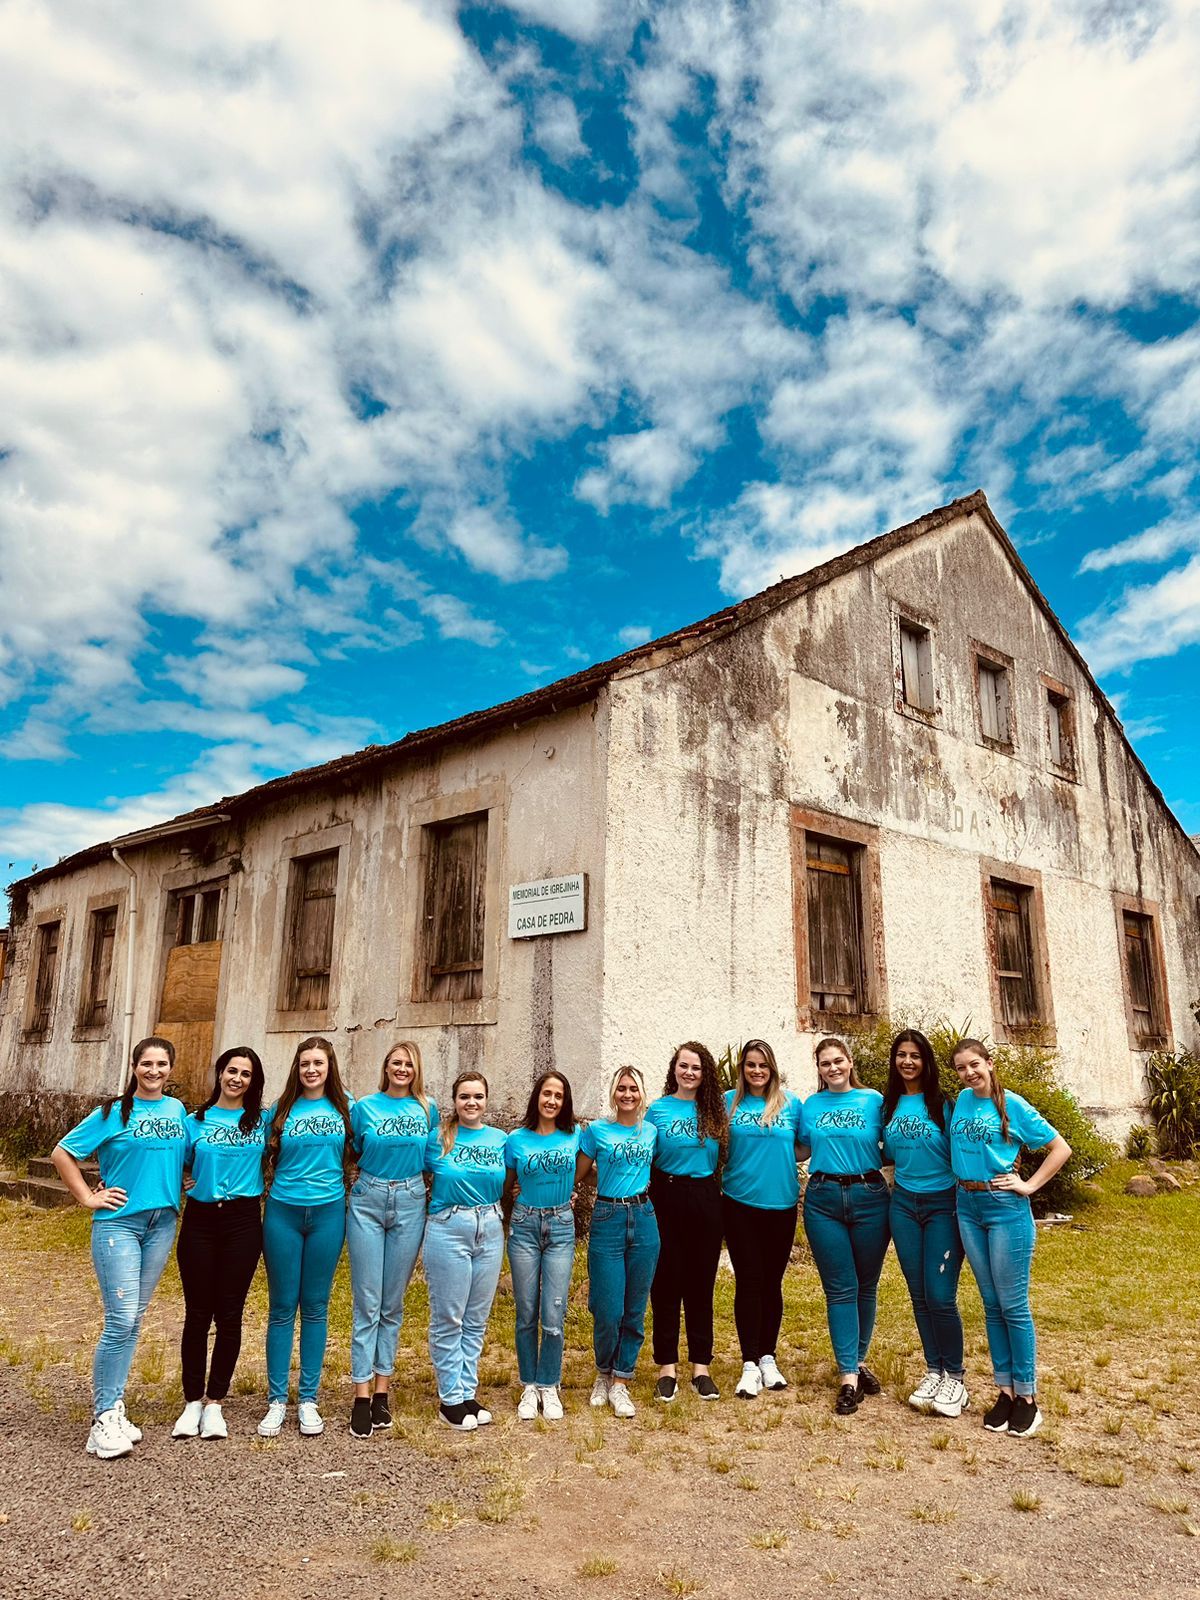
(847, 1228)
(997, 1234)
(385, 1222)
(930, 1253)
(541, 1254)
(301, 1246)
(623, 1248)
(129, 1253)
(464, 1247)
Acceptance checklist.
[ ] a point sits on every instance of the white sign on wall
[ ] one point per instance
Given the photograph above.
(555, 905)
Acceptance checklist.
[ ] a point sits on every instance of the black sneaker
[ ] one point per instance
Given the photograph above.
(458, 1416)
(847, 1400)
(360, 1418)
(705, 1387)
(665, 1389)
(381, 1414)
(868, 1383)
(996, 1420)
(1025, 1418)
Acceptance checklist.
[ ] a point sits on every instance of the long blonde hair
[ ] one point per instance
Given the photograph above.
(417, 1087)
(638, 1077)
(775, 1097)
(450, 1118)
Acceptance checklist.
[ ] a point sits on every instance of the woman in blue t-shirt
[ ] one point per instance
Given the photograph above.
(306, 1165)
(540, 1157)
(987, 1132)
(140, 1140)
(220, 1239)
(923, 1221)
(623, 1240)
(464, 1245)
(846, 1212)
(760, 1191)
(385, 1223)
(692, 1131)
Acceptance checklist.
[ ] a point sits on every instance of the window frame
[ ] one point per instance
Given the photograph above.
(1058, 705)
(864, 840)
(86, 1028)
(906, 619)
(984, 658)
(1027, 881)
(296, 853)
(52, 916)
(1149, 913)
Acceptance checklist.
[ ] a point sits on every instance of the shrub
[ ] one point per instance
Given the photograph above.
(1139, 1142)
(1174, 1101)
(1027, 1069)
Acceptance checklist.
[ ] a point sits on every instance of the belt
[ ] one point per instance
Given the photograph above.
(625, 1199)
(970, 1183)
(845, 1178)
(658, 1176)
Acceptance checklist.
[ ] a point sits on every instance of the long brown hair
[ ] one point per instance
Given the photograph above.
(125, 1098)
(838, 1044)
(998, 1099)
(333, 1092)
(774, 1096)
(417, 1087)
(711, 1121)
(450, 1118)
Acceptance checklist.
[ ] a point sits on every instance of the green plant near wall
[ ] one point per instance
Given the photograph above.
(1027, 1069)
(727, 1065)
(1173, 1080)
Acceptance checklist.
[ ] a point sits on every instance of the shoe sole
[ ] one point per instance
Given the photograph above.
(996, 1427)
(667, 1399)
(1026, 1433)
(775, 1388)
(383, 1427)
(107, 1455)
(951, 1413)
(459, 1427)
(311, 1433)
(175, 1434)
(209, 1437)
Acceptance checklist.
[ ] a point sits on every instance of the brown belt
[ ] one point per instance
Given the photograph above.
(969, 1183)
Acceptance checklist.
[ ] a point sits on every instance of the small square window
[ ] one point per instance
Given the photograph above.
(916, 667)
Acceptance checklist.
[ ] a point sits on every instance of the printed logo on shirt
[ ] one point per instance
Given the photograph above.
(407, 1127)
(631, 1153)
(975, 1130)
(911, 1128)
(322, 1126)
(680, 1128)
(158, 1128)
(477, 1155)
(848, 1118)
(554, 1162)
(229, 1137)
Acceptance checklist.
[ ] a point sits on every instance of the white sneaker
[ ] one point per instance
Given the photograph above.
(310, 1419)
(188, 1424)
(618, 1399)
(770, 1374)
(951, 1399)
(107, 1438)
(130, 1429)
(599, 1395)
(922, 1396)
(212, 1423)
(552, 1408)
(482, 1415)
(272, 1423)
(749, 1385)
(527, 1405)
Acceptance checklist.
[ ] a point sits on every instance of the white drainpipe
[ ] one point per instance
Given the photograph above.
(130, 957)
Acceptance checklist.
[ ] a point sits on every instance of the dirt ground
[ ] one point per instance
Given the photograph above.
(775, 1497)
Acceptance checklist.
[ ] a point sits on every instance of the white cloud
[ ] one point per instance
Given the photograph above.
(775, 531)
(636, 633)
(1158, 543)
(556, 128)
(1147, 621)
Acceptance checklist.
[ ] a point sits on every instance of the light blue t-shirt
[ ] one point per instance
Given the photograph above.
(978, 1152)
(679, 1149)
(470, 1173)
(844, 1130)
(390, 1134)
(226, 1163)
(543, 1165)
(143, 1156)
(760, 1169)
(919, 1148)
(622, 1156)
(309, 1171)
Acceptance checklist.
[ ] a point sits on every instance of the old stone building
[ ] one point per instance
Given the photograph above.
(889, 783)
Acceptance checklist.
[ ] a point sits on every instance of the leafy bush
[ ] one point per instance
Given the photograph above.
(1174, 1101)
(1027, 1069)
(1139, 1142)
(727, 1065)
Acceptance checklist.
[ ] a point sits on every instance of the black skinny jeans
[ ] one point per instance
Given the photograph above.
(760, 1244)
(689, 1226)
(220, 1243)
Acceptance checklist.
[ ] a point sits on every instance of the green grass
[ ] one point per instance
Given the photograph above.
(386, 1549)
(596, 1567)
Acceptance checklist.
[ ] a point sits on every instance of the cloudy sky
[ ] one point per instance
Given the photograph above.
(362, 365)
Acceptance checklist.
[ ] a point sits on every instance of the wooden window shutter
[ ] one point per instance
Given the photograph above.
(43, 993)
(835, 963)
(314, 906)
(455, 908)
(1139, 963)
(99, 974)
(916, 667)
(1014, 954)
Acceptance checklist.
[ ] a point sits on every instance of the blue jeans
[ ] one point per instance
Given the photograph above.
(463, 1250)
(930, 1252)
(301, 1246)
(385, 1222)
(997, 1234)
(622, 1255)
(129, 1253)
(541, 1254)
(847, 1228)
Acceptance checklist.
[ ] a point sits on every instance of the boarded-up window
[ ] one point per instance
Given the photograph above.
(835, 953)
(455, 908)
(1140, 965)
(309, 953)
(1015, 968)
(97, 984)
(42, 1010)
(916, 666)
(198, 917)
(1060, 730)
(994, 701)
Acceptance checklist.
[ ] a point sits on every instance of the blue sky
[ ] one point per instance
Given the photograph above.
(360, 368)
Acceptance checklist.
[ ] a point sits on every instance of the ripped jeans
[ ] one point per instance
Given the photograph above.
(129, 1253)
(541, 1255)
(930, 1252)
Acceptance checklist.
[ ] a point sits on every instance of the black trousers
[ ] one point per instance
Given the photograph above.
(689, 1226)
(220, 1243)
(760, 1243)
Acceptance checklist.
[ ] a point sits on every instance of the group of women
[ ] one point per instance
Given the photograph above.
(675, 1177)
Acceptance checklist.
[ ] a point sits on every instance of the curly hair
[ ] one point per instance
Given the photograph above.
(711, 1120)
